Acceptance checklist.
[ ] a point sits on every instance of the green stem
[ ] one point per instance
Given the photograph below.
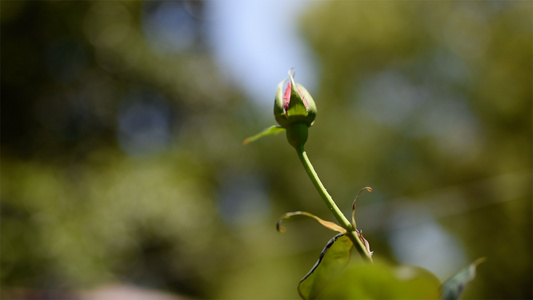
(350, 232)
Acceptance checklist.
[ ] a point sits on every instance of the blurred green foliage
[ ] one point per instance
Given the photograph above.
(122, 160)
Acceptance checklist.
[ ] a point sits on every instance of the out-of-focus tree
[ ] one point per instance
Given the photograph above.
(122, 158)
(114, 143)
(432, 102)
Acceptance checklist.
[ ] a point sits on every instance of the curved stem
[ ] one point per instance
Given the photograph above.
(302, 155)
(322, 191)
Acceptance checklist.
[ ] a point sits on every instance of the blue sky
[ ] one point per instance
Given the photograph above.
(257, 42)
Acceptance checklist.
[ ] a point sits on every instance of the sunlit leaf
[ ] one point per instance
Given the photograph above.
(329, 225)
(267, 131)
(381, 280)
(453, 287)
(335, 276)
(333, 259)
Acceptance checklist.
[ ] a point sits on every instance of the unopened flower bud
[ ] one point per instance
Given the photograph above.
(294, 110)
(294, 104)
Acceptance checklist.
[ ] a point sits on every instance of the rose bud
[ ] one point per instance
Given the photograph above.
(294, 110)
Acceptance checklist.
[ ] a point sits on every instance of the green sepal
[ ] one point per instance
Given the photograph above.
(267, 131)
(297, 134)
(297, 105)
(279, 111)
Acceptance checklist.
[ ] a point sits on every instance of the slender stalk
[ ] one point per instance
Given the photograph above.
(302, 155)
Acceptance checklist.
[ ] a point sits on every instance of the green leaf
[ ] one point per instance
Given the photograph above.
(332, 260)
(329, 225)
(336, 276)
(382, 280)
(267, 131)
(453, 287)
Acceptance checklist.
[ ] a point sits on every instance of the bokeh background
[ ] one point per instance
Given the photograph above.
(122, 123)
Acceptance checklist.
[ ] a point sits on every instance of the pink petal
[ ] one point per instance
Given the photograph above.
(287, 96)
